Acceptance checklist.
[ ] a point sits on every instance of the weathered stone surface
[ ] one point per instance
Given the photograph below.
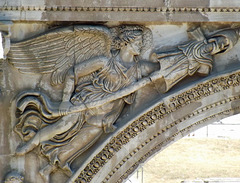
(150, 11)
(153, 121)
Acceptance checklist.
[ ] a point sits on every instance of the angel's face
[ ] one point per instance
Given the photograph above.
(135, 46)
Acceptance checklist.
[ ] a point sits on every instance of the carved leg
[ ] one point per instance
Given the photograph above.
(87, 136)
(46, 171)
(48, 132)
(30, 145)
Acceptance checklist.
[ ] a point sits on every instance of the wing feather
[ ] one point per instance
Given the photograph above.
(58, 50)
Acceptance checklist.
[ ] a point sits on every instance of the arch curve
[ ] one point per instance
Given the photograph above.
(165, 122)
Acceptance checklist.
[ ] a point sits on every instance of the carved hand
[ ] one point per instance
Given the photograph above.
(153, 58)
(64, 107)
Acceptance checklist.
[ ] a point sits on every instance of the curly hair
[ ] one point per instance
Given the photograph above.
(126, 37)
(128, 33)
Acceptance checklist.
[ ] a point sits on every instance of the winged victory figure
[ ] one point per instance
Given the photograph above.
(101, 70)
(93, 63)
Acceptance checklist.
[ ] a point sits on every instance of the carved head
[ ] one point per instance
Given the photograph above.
(13, 177)
(132, 40)
(139, 37)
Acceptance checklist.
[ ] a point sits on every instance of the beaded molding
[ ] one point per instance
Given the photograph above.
(119, 9)
(158, 146)
(160, 111)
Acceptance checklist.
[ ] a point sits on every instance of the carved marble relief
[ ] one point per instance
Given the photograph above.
(100, 70)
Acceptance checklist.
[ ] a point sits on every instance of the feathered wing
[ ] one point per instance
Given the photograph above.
(58, 50)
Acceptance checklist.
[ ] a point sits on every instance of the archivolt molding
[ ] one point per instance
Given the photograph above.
(166, 141)
(159, 112)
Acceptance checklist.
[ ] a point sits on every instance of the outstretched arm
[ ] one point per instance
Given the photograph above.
(89, 66)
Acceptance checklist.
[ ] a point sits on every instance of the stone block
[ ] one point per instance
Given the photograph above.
(224, 3)
(10, 3)
(9, 15)
(33, 3)
(108, 3)
(188, 3)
